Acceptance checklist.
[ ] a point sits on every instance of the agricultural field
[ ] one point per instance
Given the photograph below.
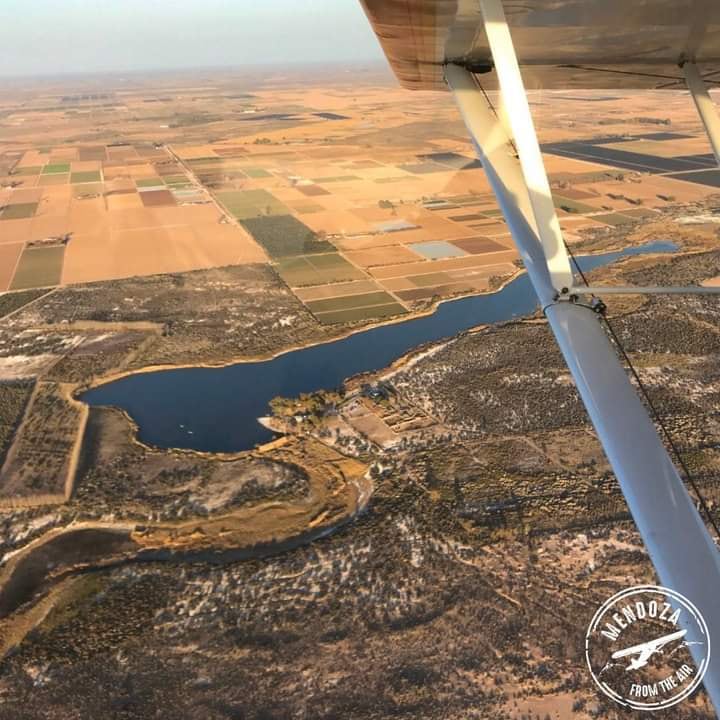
(329, 185)
(328, 268)
(284, 235)
(39, 267)
(130, 210)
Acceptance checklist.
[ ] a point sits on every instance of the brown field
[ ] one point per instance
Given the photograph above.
(115, 231)
(436, 266)
(337, 289)
(167, 192)
(149, 251)
(46, 226)
(306, 270)
(350, 301)
(15, 231)
(9, 256)
(157, 198)
(373, 312)
(54, 179)
(123, 200)
(27, 195)
(479, 245)
(388, 255)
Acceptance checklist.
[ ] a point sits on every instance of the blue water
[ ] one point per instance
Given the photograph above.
(216, 409)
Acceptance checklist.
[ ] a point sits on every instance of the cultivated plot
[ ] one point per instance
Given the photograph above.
(39, 267)
(84, 213)
(303, 270)
(284, 235)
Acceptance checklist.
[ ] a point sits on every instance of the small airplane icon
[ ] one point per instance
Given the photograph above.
(645, 650)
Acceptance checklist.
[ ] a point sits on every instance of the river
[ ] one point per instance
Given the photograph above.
(216, 409)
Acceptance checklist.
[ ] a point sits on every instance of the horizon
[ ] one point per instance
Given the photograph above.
(368, 66)
(152, 36)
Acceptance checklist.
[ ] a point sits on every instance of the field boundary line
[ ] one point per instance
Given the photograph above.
(228, 217)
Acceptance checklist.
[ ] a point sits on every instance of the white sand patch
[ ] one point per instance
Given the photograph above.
(17, 367)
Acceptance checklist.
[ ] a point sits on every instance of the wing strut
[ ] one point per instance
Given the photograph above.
(704, 104)
(680, 547)
(519, 118)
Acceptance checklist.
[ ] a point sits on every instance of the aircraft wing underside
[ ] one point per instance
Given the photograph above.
(563, 44)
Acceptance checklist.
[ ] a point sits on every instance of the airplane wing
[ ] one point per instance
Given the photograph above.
(564, 44)
(650, 646)
(470, 46)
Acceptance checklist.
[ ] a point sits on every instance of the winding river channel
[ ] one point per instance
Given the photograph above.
(216, 409)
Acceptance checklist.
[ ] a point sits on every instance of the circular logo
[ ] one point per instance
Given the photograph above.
(640, 647)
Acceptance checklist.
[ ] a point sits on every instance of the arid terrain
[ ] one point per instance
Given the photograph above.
(431, 539)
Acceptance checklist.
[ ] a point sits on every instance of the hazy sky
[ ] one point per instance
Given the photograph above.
(57, 36)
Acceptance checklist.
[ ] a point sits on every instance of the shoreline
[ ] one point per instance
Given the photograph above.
(241, 359)
(394, 366)
(72, 392)
(266, 357)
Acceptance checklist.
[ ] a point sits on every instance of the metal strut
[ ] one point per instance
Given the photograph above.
(680, 547)
(642, 290)
(704, 104)
(517, 112)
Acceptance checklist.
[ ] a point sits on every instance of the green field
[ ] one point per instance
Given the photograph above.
(361, 313)
(641, 213)
(285, 235)
(331, 261)
(186, 194)
(306, 270)
(149, 182)
(389, 180)
(85, 177)
(56, 168)
(39, 267)
(613, 219)
(336, 178)
(247, 204)
(254, 172)
(176, 180)
(572, 206)
(348, 302)
(205, 160)
(21, 210)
